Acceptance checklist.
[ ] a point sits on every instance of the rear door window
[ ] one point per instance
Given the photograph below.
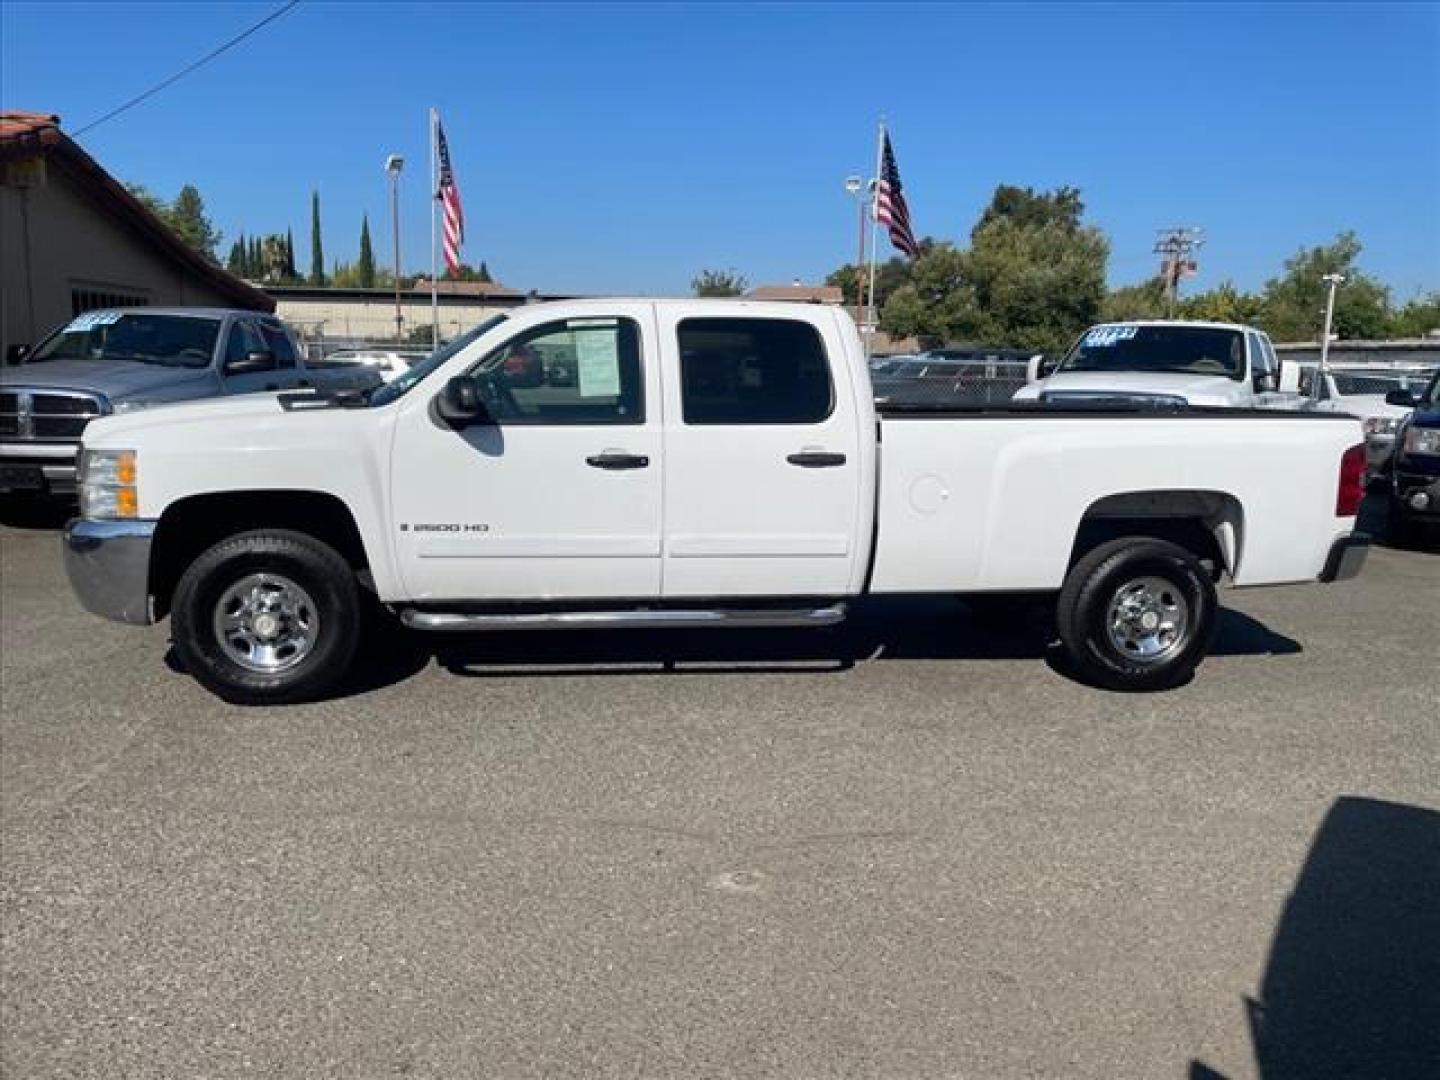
(753, 371)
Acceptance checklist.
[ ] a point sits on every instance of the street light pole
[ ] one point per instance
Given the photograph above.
(856, 187)
(393, 164)
(1334, 281)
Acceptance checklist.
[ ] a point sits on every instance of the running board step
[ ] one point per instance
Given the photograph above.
(655, 619)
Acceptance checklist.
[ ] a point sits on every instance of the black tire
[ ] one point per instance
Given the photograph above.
(316, 568)
(1092, 586)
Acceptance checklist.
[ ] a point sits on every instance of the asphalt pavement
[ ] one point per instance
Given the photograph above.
(912, 848)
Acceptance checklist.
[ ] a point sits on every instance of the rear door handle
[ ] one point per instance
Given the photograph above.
(617, 459)
(816, 459)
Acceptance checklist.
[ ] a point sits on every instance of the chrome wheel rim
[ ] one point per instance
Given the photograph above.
(1148, 620)
(266, 623)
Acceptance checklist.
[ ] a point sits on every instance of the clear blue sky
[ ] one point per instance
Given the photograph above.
(621, 148)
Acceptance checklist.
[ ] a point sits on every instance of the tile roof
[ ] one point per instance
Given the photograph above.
(17, 125)
(822, 294)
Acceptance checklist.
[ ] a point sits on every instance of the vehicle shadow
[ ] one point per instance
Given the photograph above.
(1352, 984)
(900, 628)
(39, 514)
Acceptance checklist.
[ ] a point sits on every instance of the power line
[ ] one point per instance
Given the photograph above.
(186, 70)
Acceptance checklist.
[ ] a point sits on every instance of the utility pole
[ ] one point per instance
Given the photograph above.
(856, 187)
(393, 164)
(1175, 247)
(1334, 281)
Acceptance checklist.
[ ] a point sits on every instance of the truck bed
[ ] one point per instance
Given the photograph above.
(991, 498)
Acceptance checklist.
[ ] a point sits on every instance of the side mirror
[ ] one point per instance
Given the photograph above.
(260, 360)
(460, 402)
(1266, 383)
(1404, 398)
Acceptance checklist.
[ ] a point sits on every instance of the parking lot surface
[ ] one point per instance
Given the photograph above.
(911, 849)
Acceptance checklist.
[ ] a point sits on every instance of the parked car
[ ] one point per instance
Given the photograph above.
(1415, 466)
(1164, 363)
(1361, 394)
(716, 464)
(124, 360)
(389, 364)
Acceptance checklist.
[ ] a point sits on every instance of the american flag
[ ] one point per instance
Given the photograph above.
(449, 196)
(890, 208)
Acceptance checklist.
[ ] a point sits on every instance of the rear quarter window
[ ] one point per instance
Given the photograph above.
(753, 371)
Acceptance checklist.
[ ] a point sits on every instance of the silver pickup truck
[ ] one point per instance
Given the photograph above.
(121, 360)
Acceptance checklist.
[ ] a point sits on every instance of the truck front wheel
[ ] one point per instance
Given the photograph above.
(267, 617)
(1137, 614)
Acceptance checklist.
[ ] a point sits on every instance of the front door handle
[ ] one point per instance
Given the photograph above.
(816, 459)
(617, 459)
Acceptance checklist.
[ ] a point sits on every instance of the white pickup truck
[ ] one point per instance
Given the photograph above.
(703, 463)
(1167, 363)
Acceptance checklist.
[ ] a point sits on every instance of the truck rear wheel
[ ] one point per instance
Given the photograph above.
(267, 617)
(1137, 614)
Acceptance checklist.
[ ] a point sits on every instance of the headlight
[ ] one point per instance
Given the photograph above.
(108, 484)
(1382, 425)
(1422, 441)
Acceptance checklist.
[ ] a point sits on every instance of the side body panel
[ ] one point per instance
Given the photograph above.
(994, 502)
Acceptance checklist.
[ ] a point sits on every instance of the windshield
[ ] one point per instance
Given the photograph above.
(1191, 350)
(133, 337)
(392, 391)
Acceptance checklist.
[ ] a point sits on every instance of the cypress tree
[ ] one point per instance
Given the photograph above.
(484, 274)
(365, 265)
(235, 261)
(317, 252)
(257, 262)
(289, 254)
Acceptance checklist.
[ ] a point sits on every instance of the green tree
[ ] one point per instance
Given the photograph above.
(466, 272)
(718, 283)
(190, 222)
(889, 276)
(290, 274)
(365, 265)
(1143, 301)
(235, 261)
(185, 217)
(1224, 303)
(937, 304)
(1419, 316)
(1033, 277)
(1294, 302)
(317, 251)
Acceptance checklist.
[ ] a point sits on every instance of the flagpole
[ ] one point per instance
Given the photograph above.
(874, 233)
(434, 200)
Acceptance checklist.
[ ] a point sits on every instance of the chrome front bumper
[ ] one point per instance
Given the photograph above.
(108, 563)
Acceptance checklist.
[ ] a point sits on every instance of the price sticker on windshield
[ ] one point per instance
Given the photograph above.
(91, 319)
(1104, 336)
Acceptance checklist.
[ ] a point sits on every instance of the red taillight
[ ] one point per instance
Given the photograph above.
(1352, 482)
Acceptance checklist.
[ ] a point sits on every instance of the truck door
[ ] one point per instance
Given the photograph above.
(762, 457)
(557, 494)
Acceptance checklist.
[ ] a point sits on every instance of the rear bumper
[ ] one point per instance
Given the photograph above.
(1347, 556)
(54, 464)
(108, 564)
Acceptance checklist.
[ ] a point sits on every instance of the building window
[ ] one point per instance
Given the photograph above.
(90, 298)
